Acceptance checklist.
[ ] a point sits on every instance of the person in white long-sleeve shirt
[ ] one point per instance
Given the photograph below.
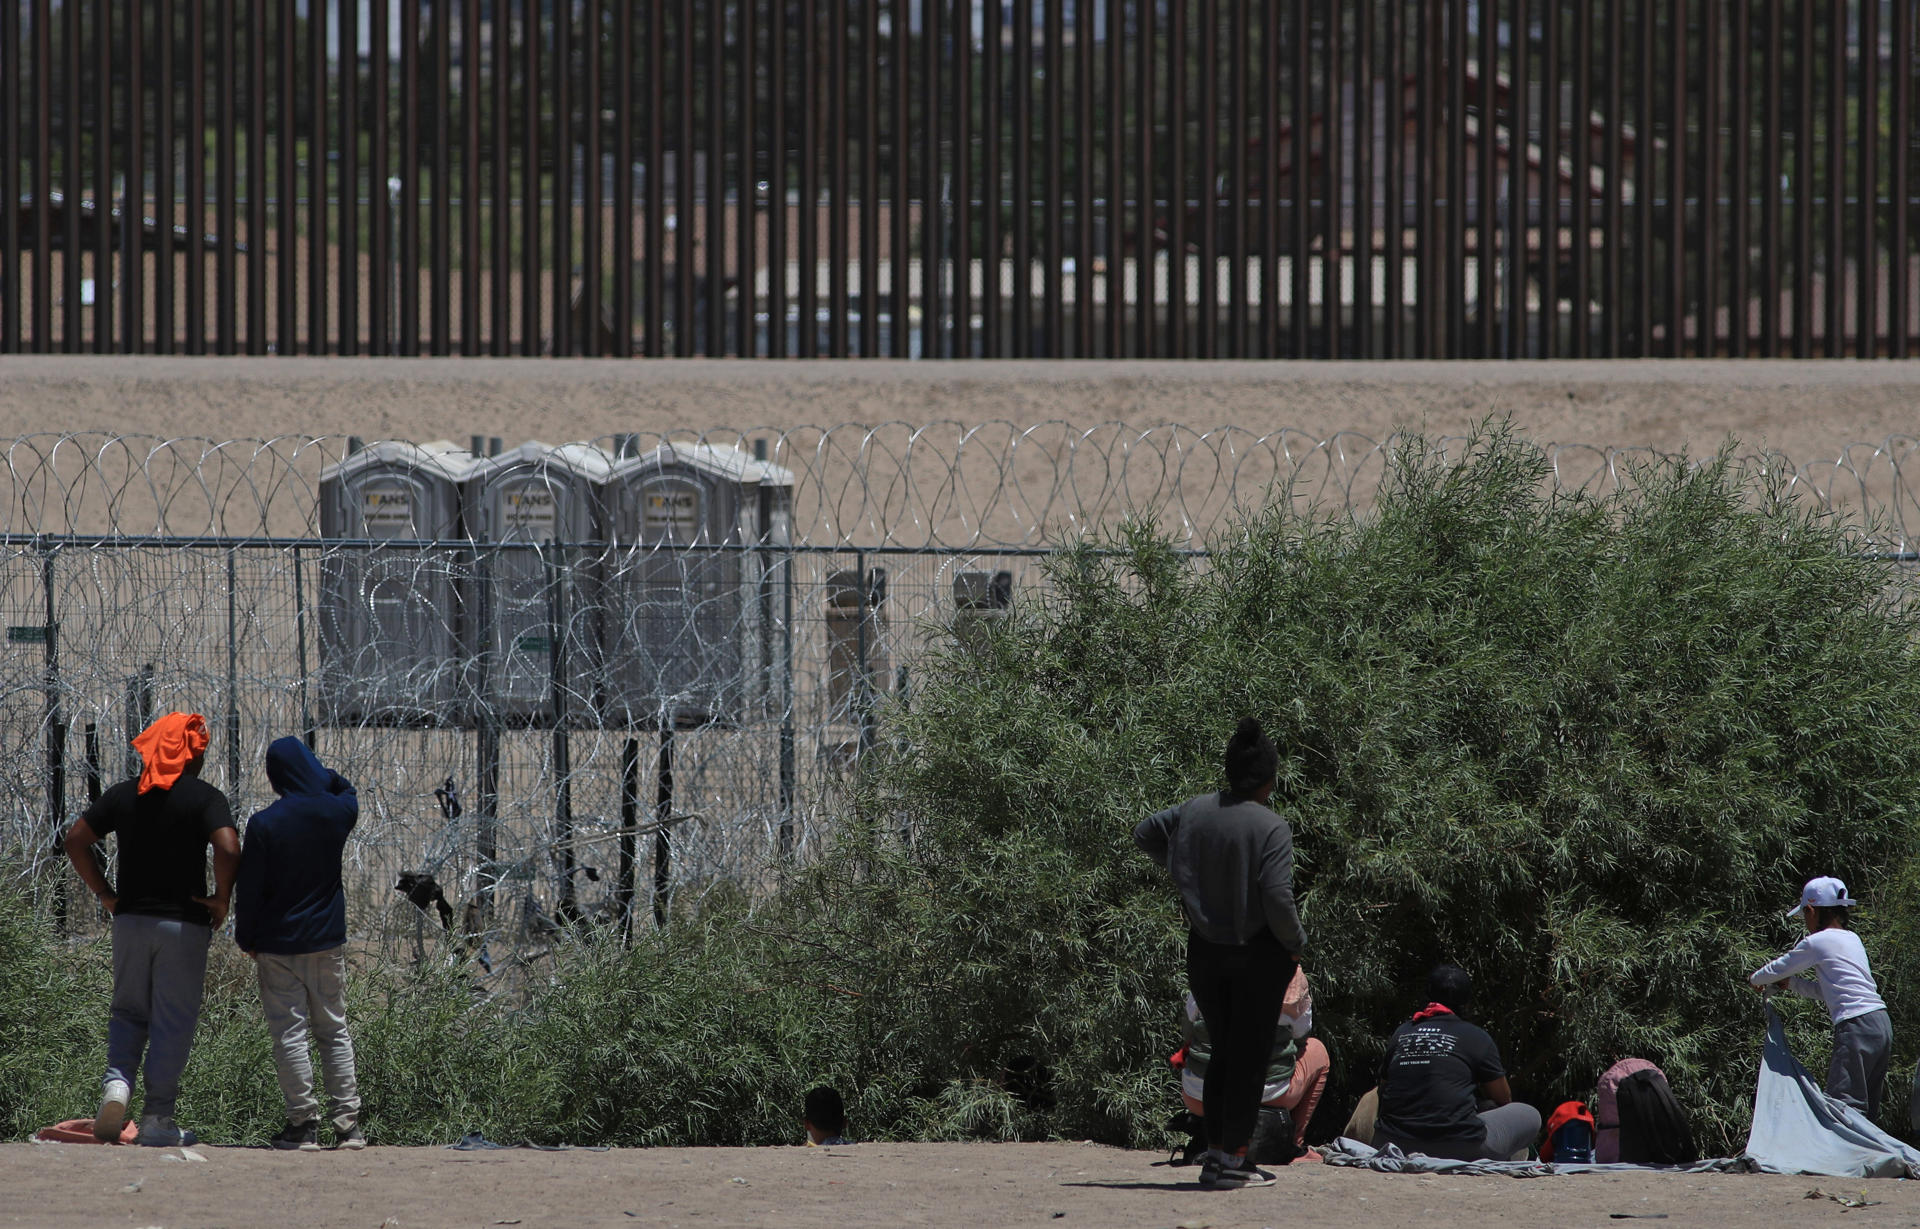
(1830, 965)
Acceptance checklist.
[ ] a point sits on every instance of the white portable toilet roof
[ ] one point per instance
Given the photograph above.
(443, 458)
(733, 464)
(587, 460)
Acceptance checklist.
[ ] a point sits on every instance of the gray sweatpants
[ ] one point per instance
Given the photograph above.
(307, 996)
(1511, 1129)
(159, 972)
(1858, 1070)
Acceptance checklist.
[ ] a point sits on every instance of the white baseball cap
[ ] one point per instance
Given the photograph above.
(1825, 892)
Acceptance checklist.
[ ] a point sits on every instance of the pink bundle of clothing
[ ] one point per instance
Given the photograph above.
(1606, 1150)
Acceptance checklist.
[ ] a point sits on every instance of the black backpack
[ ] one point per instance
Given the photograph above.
(1653, 1128)
(1272, 1138)
(1272, 1142)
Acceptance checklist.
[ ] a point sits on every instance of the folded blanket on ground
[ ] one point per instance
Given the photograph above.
(1390, 1160)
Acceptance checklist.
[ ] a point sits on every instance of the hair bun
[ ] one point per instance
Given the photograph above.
(1248, 731)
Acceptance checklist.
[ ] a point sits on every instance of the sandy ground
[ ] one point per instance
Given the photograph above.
(870, 1185)
(1802, 408)
(1037, 462)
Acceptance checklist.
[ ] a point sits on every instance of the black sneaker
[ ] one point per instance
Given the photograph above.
(1234, 1174)
(160, 1131)
(304, 1137)
(351, 1139)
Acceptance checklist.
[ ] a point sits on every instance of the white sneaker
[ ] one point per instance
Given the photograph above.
(113, 1112)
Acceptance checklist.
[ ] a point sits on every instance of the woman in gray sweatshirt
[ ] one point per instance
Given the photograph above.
(1232, 862)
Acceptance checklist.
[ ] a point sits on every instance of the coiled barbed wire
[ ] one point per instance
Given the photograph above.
(141, 574)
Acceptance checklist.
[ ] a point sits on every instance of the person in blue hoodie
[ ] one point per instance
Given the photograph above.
(290, 915)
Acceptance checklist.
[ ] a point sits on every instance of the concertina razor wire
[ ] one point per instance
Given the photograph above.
(515, 782)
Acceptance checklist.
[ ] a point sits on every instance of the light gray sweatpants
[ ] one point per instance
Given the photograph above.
(159, 973)
(1511, 1129)
(307, 996)
(1858, 1070)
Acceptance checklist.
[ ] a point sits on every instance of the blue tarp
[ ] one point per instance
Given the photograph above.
(1798, 1129)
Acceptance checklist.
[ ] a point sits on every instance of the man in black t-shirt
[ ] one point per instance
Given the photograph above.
(163, 919)
(1436, 1071)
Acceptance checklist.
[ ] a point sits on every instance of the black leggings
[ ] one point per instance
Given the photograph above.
(1239, 990)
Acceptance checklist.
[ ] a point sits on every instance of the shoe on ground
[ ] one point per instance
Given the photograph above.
(301, 1136)
(161, 1131)
(113, 1112)
(350, 1139)
(1233, 1174)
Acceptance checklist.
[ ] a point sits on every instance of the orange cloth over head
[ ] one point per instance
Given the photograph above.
(166, 748)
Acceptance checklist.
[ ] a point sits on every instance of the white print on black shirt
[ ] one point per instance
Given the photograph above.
(1421, 1046)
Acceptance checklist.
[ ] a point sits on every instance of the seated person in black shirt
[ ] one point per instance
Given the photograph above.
(1436, 1070)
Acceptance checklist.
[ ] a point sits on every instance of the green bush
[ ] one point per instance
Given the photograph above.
(1586, 746)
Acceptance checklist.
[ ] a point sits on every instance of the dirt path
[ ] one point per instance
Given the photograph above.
(975, 1186)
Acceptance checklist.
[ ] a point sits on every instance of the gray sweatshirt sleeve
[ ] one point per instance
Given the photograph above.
(1276, 890)
(1155, 832)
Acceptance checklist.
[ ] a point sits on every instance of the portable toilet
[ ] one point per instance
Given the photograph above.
(392, 619)
(519, 505)
(689, 633)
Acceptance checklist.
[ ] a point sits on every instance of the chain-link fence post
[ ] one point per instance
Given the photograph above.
(300, 649)
(663, 819)
(56, 736)
(562, 745)
(487, 738)
(629, 823)
(233, 679)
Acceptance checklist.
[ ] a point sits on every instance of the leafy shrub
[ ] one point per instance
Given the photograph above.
(1586, 746)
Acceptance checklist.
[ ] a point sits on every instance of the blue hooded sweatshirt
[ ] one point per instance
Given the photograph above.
(288, 899)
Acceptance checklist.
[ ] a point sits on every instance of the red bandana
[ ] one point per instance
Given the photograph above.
(1431, 1010)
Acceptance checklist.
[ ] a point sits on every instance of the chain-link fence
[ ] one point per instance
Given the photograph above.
(599, 726)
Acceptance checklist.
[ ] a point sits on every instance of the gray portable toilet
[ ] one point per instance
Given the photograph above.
(520, 501)
(392, 620)
(689, 630)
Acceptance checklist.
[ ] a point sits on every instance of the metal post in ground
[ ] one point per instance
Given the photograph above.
(562, 747)
(56, 737)
(663, 820)
(787, 757)
(629, 821)
(139, 714)
(486, 739)
(233, 682)
(307, 730)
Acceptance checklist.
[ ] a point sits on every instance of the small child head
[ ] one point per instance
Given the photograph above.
(826, 1114)
(1823, 903)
